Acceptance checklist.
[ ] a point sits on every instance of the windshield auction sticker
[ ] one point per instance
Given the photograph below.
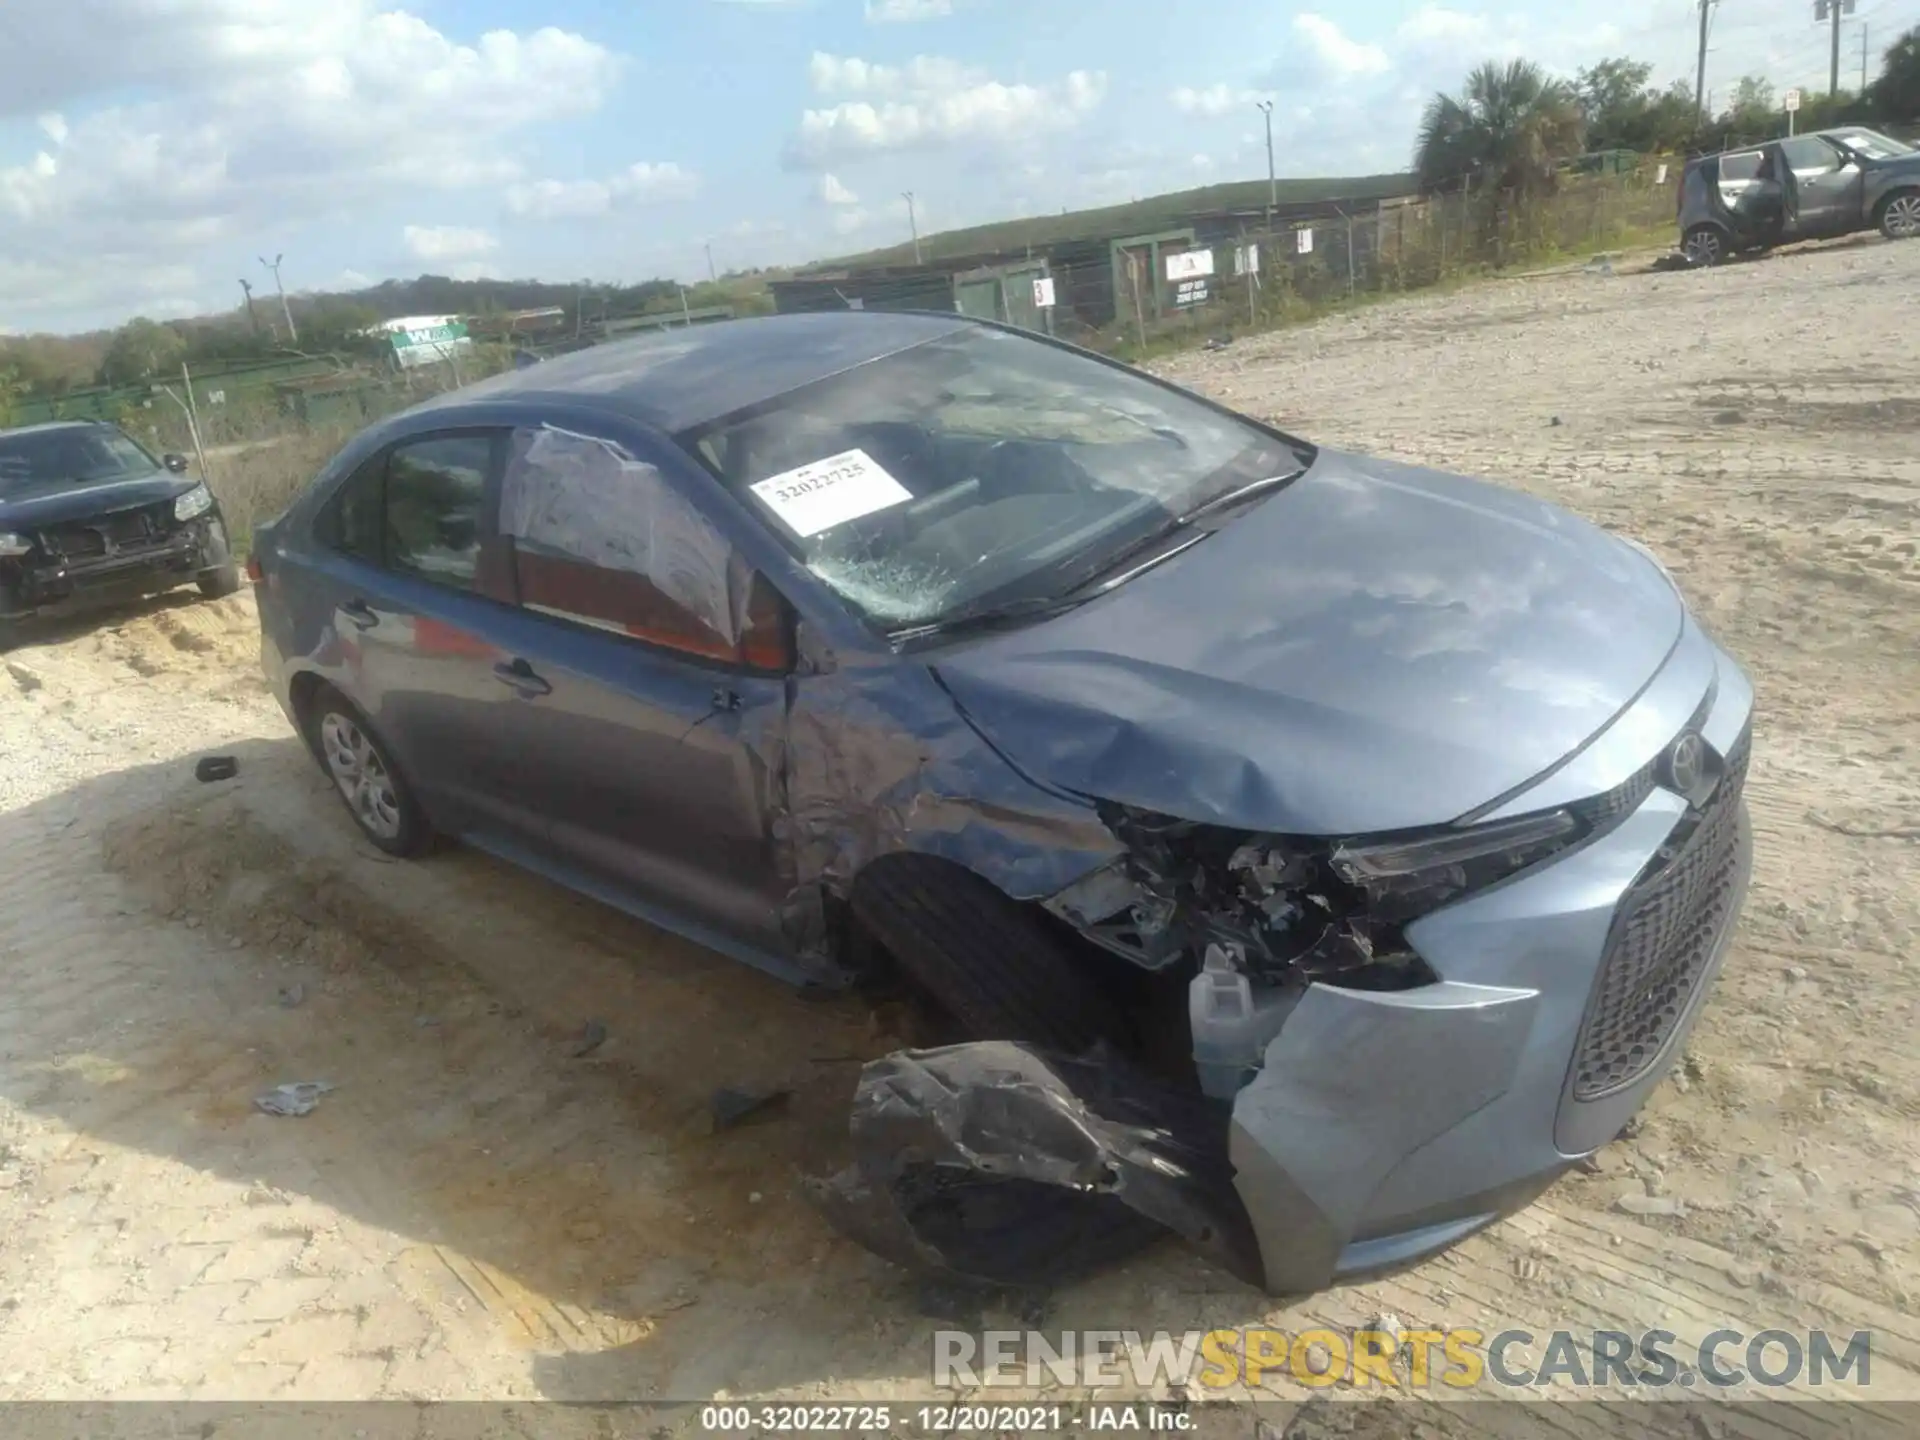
(830, 492)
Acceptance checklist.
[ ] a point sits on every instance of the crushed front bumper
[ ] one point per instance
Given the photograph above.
(41, 586)
(1383, 1126)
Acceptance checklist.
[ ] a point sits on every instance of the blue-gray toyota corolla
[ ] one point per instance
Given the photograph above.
(1309, 855)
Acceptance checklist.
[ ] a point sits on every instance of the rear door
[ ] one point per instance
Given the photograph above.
(653, 667)
(409, 563)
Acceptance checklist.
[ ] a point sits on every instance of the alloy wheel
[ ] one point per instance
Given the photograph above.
(1901, 219)
(362, 773)
(1704, 247)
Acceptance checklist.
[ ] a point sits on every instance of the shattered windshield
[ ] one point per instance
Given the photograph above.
(1872, 144)
(967, 469)
(80, 456)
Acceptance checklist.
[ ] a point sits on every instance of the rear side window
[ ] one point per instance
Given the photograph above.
(1742, 165)
(421, 509)
(604, 539)
(435, 504)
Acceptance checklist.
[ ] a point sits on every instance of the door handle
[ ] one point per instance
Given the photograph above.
(360, 613)
(520, 675)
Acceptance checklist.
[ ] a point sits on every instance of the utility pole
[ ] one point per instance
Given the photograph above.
(1831, 11)
(1863, 57)
(1700, 68)
(286, 313)
(711, 275)
(913, 224)
(1273, 190)
(253, 320)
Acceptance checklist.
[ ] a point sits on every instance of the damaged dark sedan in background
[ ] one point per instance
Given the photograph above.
(87, 516)
(1315, 855)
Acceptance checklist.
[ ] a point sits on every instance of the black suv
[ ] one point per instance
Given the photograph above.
(88, 515)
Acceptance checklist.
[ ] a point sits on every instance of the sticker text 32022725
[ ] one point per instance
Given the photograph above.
(830, 492)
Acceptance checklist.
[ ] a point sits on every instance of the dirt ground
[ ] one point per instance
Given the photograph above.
(480, 1210)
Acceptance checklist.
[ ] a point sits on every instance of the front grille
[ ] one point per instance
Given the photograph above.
(124, 530)
(1662, 937)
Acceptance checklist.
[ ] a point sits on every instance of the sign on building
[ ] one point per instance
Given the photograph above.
(1303, 241)
(427, 339)
(1043, 293)
(1189, 265)
(1192, 292)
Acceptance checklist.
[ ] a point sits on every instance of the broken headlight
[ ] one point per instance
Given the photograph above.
(1408, 877)
(1287, 906)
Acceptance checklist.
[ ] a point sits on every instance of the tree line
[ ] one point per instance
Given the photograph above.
(143, 349)
(1513, 125)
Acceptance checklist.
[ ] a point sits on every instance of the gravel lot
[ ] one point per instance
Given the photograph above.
(478, 1211)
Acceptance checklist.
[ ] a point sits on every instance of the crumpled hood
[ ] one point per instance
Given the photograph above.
(1376, 647)
(61, 501)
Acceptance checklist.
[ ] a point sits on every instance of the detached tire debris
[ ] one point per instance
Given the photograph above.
(999, 1163)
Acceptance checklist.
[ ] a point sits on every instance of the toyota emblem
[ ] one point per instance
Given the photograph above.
(1686, 763)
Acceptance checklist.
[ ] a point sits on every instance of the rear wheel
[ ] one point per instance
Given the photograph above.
(356, 760)
(1900, 215)
(1706, 245)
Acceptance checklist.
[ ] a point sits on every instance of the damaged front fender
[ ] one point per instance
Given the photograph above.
(996, 1162)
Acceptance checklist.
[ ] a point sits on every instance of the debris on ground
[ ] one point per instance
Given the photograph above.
(998, 1162)
(292, 996)
(1649, 1205)
(1676, 260)
(592, 1036)
(298, 1098)
(731, 1107)
(216, 767)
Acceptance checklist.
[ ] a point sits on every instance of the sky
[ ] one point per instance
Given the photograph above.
(155, 152)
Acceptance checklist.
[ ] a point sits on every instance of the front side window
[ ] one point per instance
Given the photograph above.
(1808, 155)
(603, 539)
(77, 455)
(977, 468)
(434, 507)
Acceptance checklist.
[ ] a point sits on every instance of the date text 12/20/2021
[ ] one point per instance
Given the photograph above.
(942, 1419)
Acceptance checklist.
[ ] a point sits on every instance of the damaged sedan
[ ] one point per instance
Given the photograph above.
(1310, 855)
(88, 516)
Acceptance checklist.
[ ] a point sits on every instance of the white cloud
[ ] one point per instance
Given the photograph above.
(583, 199)
(849, 222)
(930, 102)
(446, 242)
(1214, 99)
(253, 116)
(906, 12)
(832, 192)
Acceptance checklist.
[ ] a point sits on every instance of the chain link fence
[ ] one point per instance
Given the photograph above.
(1156, 291)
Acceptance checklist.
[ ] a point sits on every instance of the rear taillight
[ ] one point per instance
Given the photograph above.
(254, 572)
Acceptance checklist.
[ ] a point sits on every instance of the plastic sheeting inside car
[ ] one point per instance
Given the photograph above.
(587, 499)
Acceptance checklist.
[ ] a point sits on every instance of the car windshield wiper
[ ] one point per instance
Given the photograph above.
(1227, 499)
(1082, 587)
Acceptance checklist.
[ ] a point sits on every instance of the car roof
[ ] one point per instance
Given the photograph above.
(677, 379)
(47, 426)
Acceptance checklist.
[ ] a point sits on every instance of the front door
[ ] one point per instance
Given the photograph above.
(1827, 187)
(652, 669)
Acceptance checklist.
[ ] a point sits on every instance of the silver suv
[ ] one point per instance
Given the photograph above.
(1805, 187)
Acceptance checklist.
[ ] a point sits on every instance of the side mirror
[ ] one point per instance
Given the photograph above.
(176, 463)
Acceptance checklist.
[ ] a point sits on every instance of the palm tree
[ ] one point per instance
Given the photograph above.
(1508, 128)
